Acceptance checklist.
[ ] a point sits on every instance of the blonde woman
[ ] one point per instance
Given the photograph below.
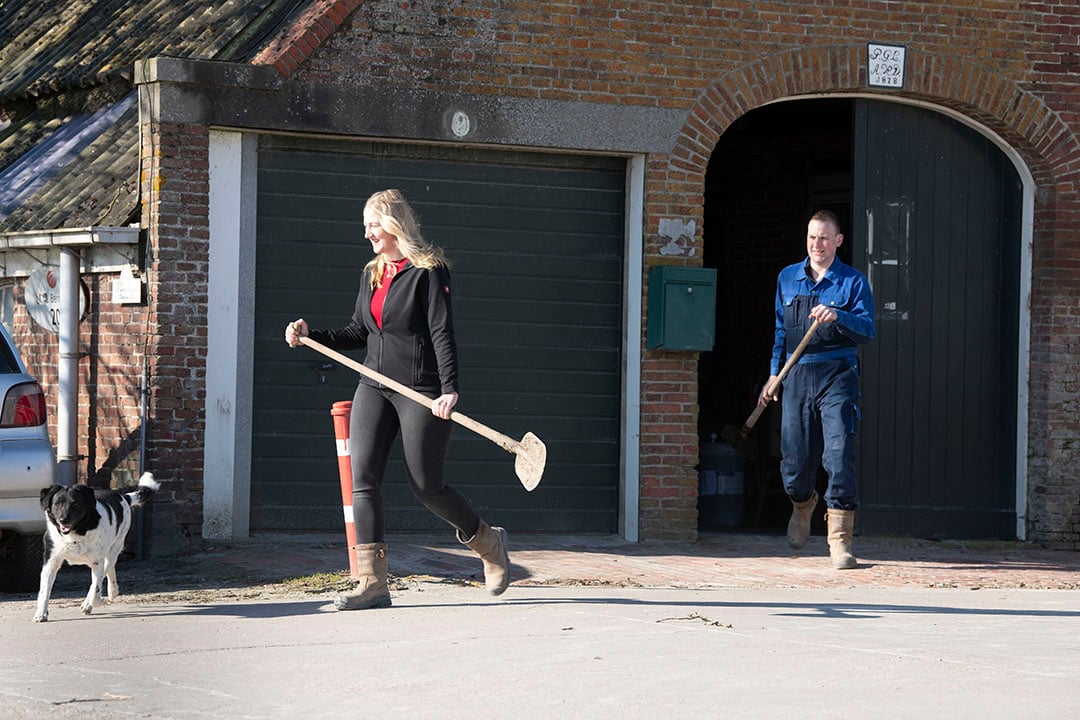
(403, 318)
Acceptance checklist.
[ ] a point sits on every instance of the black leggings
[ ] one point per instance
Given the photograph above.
(376, 417)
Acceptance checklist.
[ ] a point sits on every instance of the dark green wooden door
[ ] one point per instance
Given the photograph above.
(536, 243)
(937, 230)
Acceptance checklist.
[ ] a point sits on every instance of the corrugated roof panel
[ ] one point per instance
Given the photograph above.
(47, 159)
(70, 157)
(49, 46)
(27, 131)
(88, 175)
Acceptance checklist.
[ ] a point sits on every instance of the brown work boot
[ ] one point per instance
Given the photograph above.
(798, 527)
(841, 526)
(371, 590)
(492, 545)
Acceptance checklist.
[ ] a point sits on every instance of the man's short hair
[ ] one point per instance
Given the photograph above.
(827, 216)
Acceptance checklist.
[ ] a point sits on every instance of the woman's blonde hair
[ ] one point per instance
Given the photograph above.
(397, 218)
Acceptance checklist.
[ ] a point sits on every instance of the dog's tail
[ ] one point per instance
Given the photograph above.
(147, 487)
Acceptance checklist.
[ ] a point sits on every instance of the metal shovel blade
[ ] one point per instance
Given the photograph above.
(529, 465)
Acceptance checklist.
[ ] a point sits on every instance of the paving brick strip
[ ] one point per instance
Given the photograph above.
(724, 561)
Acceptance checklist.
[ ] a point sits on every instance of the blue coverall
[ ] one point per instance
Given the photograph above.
(821, 392)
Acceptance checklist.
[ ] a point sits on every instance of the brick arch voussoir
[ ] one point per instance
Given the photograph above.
(1021, 118)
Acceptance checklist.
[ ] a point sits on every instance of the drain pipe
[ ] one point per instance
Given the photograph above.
(67, 441)
(144, 390)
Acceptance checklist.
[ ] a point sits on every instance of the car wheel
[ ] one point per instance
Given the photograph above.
(20, 562)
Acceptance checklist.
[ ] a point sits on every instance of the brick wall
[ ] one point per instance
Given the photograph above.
(1012, 67)
(175, 192)
(169, 331)
(111, 339)
(108, 424)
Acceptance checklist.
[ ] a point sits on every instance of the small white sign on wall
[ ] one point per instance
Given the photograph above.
(885, 65)
(127, 288)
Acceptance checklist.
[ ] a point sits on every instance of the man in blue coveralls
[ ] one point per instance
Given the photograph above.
(821, 392)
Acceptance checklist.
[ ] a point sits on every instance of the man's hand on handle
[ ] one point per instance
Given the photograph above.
(820, 313)
(765, 397)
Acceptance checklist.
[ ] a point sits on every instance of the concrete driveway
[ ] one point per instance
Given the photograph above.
(580, 648)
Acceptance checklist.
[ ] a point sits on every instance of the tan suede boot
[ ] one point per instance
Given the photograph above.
(492, 545)
(371, 591)
(798, 527)
(841, 526)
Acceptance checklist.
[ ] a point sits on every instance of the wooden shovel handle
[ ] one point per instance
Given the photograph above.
(506, 443)
(792, 359)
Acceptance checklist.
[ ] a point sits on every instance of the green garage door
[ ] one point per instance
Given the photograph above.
(536, 245)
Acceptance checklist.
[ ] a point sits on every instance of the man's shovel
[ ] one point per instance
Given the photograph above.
(738, 438)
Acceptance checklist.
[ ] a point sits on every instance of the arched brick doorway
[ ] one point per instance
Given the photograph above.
(1030, 132)
(932, 212)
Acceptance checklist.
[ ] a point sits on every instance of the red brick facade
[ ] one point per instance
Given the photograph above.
(113, 340)
(176, 209)
(1017, 75)
(1012, 68)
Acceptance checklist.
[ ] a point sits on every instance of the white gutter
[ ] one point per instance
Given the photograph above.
(104, 249)
(63, 237)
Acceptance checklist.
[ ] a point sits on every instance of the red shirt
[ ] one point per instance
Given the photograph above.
(378, 297)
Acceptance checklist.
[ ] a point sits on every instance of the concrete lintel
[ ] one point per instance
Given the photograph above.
(209, 73)
(246, 97)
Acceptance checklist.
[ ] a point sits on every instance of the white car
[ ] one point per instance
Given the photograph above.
(27, 465)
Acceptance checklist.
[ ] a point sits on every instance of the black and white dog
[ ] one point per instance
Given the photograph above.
(87, 527)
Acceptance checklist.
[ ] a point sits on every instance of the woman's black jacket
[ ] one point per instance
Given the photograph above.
(416, 344)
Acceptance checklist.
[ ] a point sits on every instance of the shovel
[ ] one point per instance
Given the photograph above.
(738, 438)
(530, 451)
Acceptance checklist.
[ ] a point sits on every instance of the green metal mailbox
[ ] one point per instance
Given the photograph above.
(682, 308)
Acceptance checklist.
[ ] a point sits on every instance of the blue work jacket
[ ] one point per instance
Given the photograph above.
(845, 290)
